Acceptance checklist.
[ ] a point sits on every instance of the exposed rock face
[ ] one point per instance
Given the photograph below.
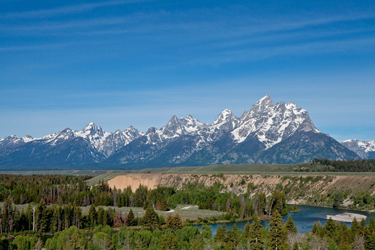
(317, 190)
(267, 133)
(365, 149)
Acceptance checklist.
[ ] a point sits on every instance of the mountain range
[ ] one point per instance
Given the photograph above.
(267, 133)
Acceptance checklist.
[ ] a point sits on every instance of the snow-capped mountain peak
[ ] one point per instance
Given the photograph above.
(27, 138)
(261, 105)
(365, 149)
(225, 116)
(281, 132)
(272, 123)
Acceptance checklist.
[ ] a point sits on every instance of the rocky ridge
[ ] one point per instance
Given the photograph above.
(267, 133)
(365, 149)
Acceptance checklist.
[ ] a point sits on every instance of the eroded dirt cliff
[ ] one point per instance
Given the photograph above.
(315, 190)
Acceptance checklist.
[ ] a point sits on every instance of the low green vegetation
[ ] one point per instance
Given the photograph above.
(347, 166)
(173, 235)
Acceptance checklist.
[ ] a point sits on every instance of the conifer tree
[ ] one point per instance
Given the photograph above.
(290, 226)
(315, 228)
(196, 245)
(177, 222)
(247, 230)
(367, 236)
(220, 234)
(371, 225)
(371, 245)
(330, 228)
(277, 232)
(256, 239)
(150, 218)
(130, 220)
(172, 242)
(344, 235)
(355, 228)
(235, 235)
(100, 213)
(42, 220)
(362, 227)
(93, 216)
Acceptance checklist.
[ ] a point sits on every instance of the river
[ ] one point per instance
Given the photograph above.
(304, 219)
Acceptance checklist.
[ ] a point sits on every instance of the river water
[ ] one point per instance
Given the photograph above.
(304, 219)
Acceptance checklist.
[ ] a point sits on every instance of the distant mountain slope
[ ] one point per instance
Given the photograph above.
(365, 149)
(267, 133)
(280, 133)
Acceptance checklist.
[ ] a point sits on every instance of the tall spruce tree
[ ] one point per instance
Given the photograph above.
(277, 232)
(330, 229)
(371, 245)
(355, 228)
(150, 219)
(220, 234)
(131, 221)
(290, 226)
(255, 233)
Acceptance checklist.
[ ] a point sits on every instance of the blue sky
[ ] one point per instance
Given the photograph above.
(120, 63)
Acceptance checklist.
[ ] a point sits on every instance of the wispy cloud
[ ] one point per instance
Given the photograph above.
(71, 9)
(301, 48)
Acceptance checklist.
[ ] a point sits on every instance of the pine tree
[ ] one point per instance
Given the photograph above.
(196, 245)
(172, 242)
(177, 222)
(344, 235)
(130, 220)
(290, 226)
(256, 239)
(164, 205)
(277, 232)
(315, 228)
(371, 245)
(330, 228)
(220, 234)
(100, 213)
(150, 218)
(235, 235)
(371, 225)
(362, 227)
(367, 237)
(247, 230)
(355, 228)
(42, 220)
(93, 216)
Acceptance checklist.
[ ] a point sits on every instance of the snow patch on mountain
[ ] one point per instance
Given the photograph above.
(362, 148)
(267, 122)
(272, 123)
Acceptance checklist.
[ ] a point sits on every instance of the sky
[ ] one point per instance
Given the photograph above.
(137, 62)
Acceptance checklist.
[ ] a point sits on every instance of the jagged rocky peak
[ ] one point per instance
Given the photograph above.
(151, 130)
(27, 138)
(92, 129)
(225, 116)
(365, 149)
(132, 132)
(11, 139)
(262, 104)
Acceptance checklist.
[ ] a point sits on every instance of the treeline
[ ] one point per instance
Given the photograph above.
(172, 235)
(333, 236)
(58, 189)
(55, 218)
(74, 192)
(347, 166)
